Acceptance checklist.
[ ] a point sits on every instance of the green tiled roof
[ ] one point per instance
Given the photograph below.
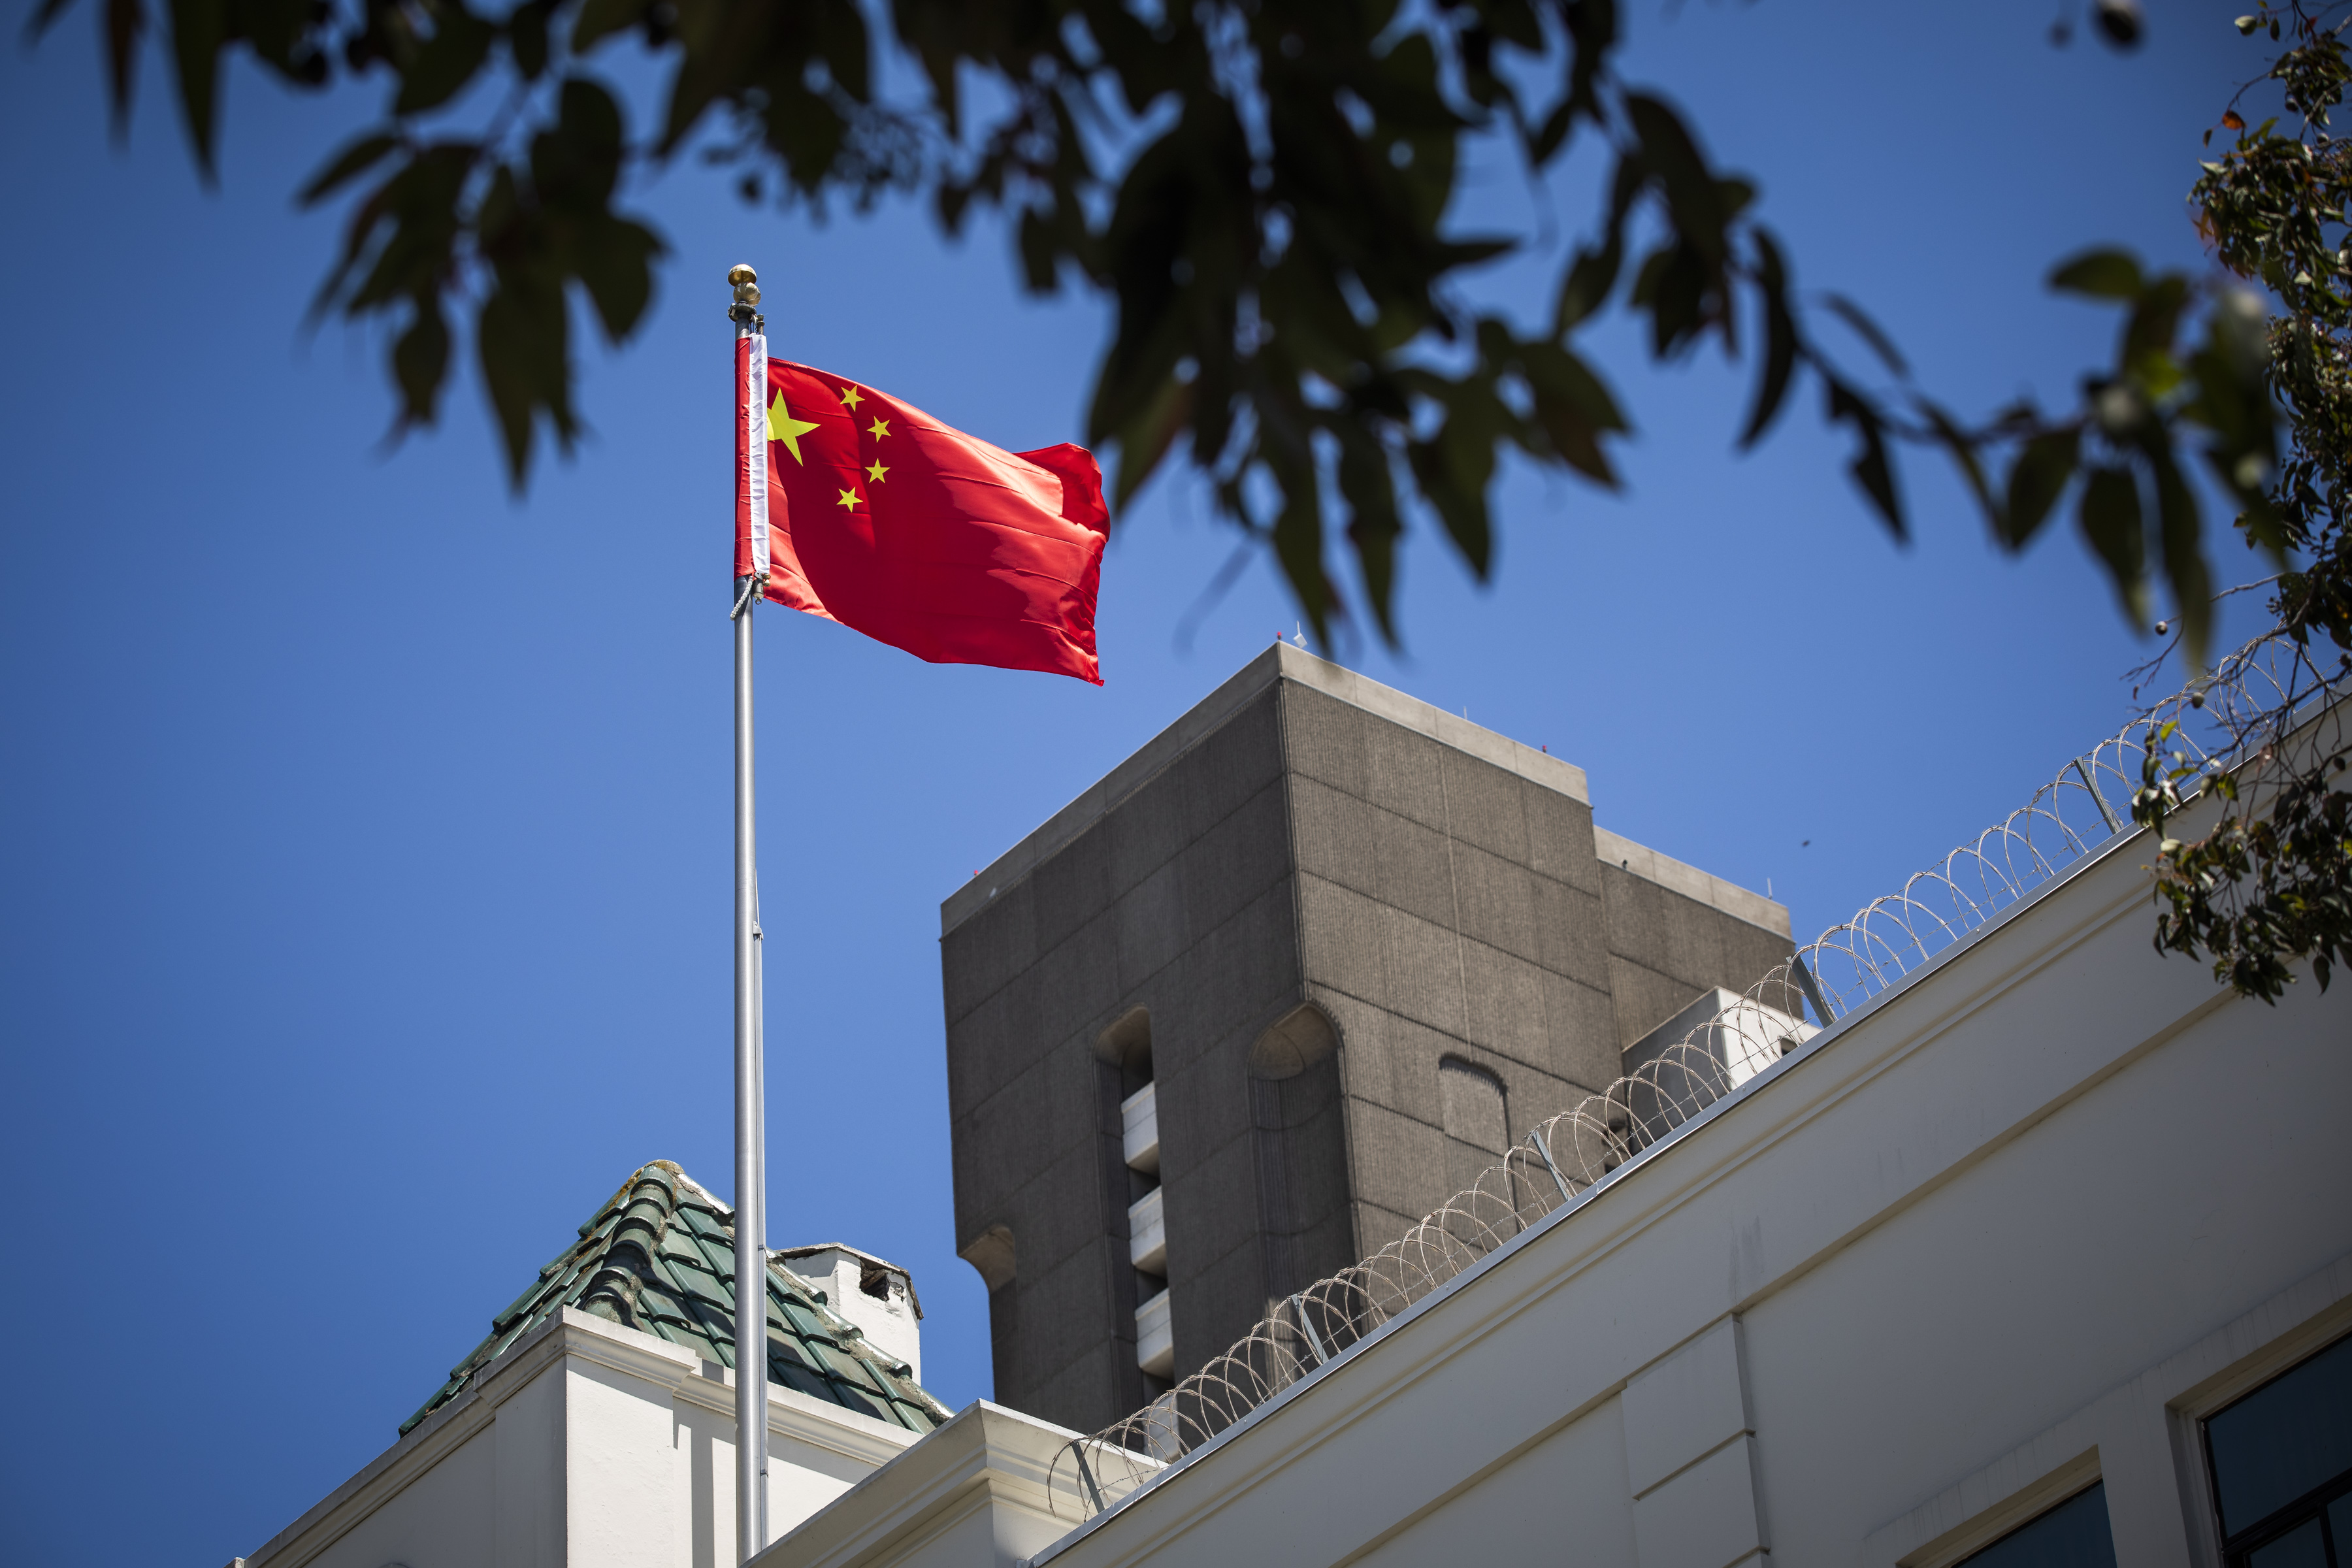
(661, 1256)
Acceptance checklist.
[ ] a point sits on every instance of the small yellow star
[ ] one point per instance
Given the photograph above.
(849, 498)
(876, 472)
(783, 426)
(849, 396)
(881, 428)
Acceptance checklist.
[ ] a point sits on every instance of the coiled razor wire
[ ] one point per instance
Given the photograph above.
(2235, 718)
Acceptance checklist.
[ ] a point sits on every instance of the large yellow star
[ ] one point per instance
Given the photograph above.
(783, 426)
(881, 428)
(876, 472)
(849, 396)
(848, 499)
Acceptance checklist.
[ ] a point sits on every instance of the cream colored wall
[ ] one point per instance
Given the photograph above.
(1562, 1500)
(2014, 1226)
(447, 1517)
(626, 1502)
(591, 1447)
(2208, 1173)
(973, 1494)
(527, 1426)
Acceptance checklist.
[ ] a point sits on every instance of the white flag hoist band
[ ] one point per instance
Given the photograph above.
(750, 1100)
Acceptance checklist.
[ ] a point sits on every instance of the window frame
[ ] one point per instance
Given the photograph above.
(2096, 1482)
(2237, 1549)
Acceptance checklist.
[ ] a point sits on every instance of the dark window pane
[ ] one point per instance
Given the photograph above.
(2339, 1525)
(2071, 1535)
(2296, 1548)
(2287, 1436)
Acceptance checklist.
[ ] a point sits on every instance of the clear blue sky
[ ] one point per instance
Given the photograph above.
(366, 864)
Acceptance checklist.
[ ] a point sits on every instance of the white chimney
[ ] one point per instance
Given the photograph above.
(878, 1297)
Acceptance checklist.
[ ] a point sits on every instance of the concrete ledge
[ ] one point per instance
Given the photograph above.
(973, 1492)
(1280, 662)
(1690, 882)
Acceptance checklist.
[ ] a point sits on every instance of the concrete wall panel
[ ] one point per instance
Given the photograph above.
(1685, 1406)
(1704, 1518)
(1486, 806)
(1498, 900)
(1332, 834)
(1560, 839)
(1504, 995)
(1581, 1028)
(1319, 836)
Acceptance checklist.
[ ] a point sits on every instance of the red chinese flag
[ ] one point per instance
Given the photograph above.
(883, 518)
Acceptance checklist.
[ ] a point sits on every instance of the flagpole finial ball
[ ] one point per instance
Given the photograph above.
(742, 273)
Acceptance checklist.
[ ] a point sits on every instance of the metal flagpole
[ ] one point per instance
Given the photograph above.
(751, 1142)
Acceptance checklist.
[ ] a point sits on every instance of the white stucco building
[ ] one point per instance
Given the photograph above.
(2043, 1256)
(596, 1423)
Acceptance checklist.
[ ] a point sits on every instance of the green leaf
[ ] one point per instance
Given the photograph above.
(1779, 340)
(1368, 487)
(521, 339)
(420, 364)
(2044, 467)
(1585, 288)
(1144, 438)
(1041, 259)
(1298, 544)
(2104, 274)
(1453, 466)
(356, 159)
(199, 33)
(1869, 467)
(1574, 407)
(2180, 535)
(460, 43)
(125, 24)
(576, 162)
(2110, 519)
(1870, 332)
(1962, 449)
(1552, 135)
(615, 266)
(527, 40)
(1693, 197)
(1673, 286)
(2154, 322)
(600, 19)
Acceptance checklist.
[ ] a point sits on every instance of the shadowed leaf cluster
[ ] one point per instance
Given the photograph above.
(2271, 885)
(1263, 188)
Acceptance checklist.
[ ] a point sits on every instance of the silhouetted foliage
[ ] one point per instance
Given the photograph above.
(2270, 883)
(1263, 188)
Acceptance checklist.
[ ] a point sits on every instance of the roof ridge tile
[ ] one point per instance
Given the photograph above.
(620, 1269)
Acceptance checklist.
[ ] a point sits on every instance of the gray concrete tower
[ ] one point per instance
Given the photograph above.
(1253, 1003)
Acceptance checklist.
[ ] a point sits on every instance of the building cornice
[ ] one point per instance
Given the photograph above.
(985, 1455)
(1279, 663)
(1691, 882)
